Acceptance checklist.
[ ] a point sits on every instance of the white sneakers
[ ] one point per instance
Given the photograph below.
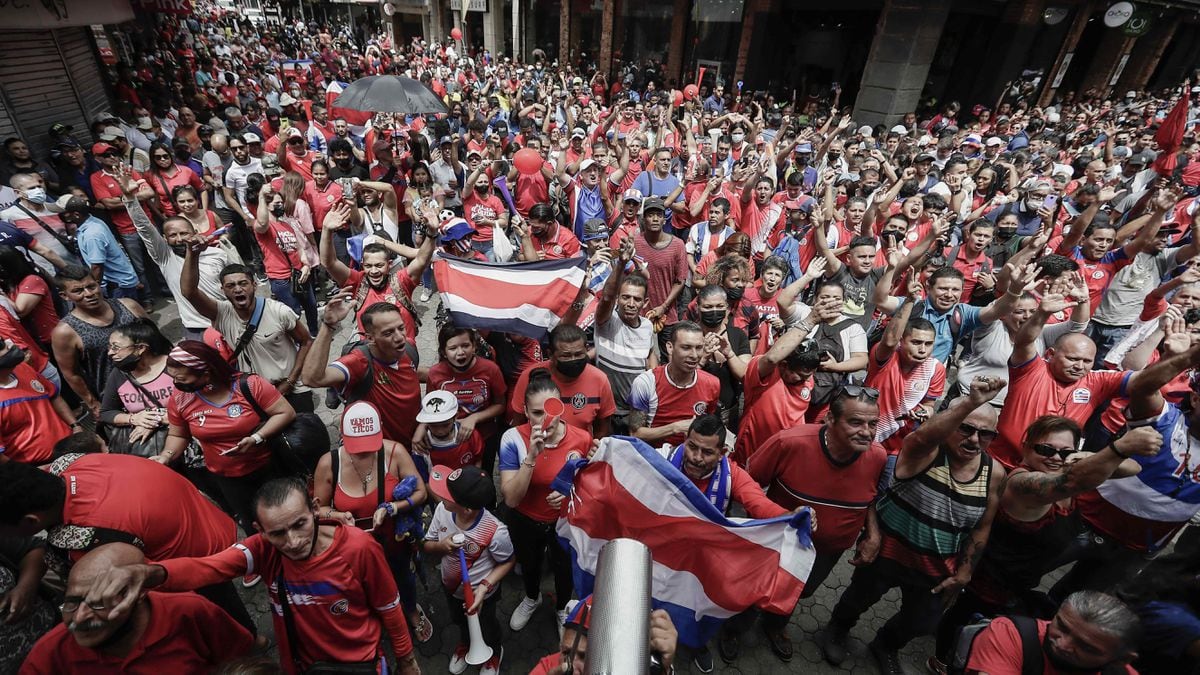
(492, 665)
(458, 662)
(521, 614)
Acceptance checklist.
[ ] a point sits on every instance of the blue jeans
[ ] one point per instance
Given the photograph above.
(1106, 337)
(116, 292)
(307, 302)
(137, 255)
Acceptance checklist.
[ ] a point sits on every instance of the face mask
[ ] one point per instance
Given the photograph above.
(36, 195)
(127, 363)
(277, 210)
(1033, 204)
(573, 368)
(734, 294)
(179, 249)
(189, 387)
(738, 138)
(1006, 232)
(712, 317)
(12, 358)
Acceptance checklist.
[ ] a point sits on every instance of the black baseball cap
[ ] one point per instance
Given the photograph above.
(469, 487)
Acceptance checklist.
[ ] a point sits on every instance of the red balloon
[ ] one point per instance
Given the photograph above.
(456, 33)
(678, 97)
(691, 92)
(528, 161)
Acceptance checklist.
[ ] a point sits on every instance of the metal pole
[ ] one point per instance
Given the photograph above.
(619, 637)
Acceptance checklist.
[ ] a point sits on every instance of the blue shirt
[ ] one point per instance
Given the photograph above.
(11, 235)
(649, 184)
(98, 246)
(947, 328)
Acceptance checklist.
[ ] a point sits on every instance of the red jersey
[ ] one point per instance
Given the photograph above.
(400, 282)
(900, 392)
(664, 402)
(396, 391)
(531, 189)
(1099, 273)
(280, 249)
(1033, 392)
(971, 268)
(514, 448)
(587, 398)
(558, 247)
(455, 454)
(764, 307)
(11, 328)
(477, 209)
(105, 186)
(219, 426)
(301, 164)
(337, 598)
(184, 634)
(44, 317)
(322, 200)
(148, 500)
(29, 425)
(796, 467)
(479, 386)
(164, 186)
(771, 405)
(997, 650)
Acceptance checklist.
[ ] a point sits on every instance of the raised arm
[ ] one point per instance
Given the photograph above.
(1144, 386)
(612, 287)
(894, 332)
(1025, 341)
(337, 218)
(923, 444)
(189, 279)
(316, 371)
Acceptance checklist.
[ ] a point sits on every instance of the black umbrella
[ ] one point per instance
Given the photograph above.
(389, 93)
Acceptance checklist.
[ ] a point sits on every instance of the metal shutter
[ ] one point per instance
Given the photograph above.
(38, 89)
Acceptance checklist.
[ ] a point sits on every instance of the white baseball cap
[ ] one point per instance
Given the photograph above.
(437, 407)
(362, 429)
(287, 99)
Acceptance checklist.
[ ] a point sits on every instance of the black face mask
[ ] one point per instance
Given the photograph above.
(712, 317)
(1006, 232)
(189, 387)
(127, 363)
(572, 368)
(179, 249)
(12, 358)
(277, 210)
(734, 294)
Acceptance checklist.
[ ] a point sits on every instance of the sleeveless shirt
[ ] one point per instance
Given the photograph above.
(94, 362)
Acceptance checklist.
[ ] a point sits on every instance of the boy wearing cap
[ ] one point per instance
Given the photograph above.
(462, 521)
(437, 440)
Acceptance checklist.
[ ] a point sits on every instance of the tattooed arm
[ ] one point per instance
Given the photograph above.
(969, 556)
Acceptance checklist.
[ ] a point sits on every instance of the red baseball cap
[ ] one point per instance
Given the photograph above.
(102, 148)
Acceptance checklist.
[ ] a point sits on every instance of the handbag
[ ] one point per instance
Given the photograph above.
(287, 459)
(118, 436)
(316, 667)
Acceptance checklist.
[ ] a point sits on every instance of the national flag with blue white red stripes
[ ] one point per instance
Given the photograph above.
(707, 568)
(526, 298)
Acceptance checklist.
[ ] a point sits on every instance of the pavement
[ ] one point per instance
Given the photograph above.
(540, 637)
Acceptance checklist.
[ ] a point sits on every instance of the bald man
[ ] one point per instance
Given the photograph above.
(934, 524)
(164, 633)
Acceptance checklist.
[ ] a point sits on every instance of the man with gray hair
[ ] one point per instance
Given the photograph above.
(1092, 632)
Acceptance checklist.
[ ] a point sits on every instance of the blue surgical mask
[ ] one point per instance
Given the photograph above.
(36, 195)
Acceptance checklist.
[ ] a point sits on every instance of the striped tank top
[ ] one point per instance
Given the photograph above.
(927, 519)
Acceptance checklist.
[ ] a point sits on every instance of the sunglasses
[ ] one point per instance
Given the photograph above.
(985, 435)
(159, 155)
(1047, 450)
(854, 391)
(296, 141)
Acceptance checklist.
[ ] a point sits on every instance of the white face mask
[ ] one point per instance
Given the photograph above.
(36, 195)
(738, 138)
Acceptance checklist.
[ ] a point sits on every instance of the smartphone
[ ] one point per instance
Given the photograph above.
(1050, 203)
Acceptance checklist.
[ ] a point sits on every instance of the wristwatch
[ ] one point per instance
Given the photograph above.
(258, 439)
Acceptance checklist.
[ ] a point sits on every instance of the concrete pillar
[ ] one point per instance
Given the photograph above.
(493, 28)
(518, 45)
(1078, 23)
(1147, 52)
(906, 39)
(564, 30)
(604, 63)
(436, 30)
(1009, 46)
(752, 10)
(679, 19)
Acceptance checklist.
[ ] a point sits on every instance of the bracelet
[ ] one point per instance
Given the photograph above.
(485, 583)
(258, 439)
(528, 464)
(1112, 445)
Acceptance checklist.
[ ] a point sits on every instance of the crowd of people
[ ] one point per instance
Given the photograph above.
(968, 342)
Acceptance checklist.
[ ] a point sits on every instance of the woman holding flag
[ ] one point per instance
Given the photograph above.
(531, 455)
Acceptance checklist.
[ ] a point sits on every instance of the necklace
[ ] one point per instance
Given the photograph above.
(366, 480)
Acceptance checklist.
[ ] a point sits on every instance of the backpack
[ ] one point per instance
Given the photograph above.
(333, 398)
(789, 249)
(1031, 646)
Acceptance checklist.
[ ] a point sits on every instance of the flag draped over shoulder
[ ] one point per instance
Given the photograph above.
(525, 298)
(706, 567)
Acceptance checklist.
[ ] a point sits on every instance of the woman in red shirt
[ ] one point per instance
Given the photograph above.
(351, 491)
(188, 203)
(210, 406)
(321, 193)
(30, 293)
(531, 456)
(282, 246)
(164, 175)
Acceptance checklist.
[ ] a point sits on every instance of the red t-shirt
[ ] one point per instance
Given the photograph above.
(185, 634)
(900, 392)
(336, 598)
(458, 455)
(771, 405)
(146, 499)
(320, 201)
(1033, 392)
(476, 209)
(219, 426)
(29, 425)
(105, 186)
(44, 318)
(280, 249)
(575, 444)
(664, 268)
(796, 467)
(1099, 273)
(11, 328)
(663, 402)
(997, 650)
(396, 392)
(587, 398)
(558, 247)
(163, 185)
(301, 165)
(406, 283)
(531, 189)
(480, 386)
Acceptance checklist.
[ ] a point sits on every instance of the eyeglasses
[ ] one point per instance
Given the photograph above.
(854, 391)
(295, 141)
(236, 147)
(985, 435)
(112, 348)
(71, 604)
(1047, 450)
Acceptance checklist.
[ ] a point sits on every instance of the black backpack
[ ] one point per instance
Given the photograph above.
(1031, 647)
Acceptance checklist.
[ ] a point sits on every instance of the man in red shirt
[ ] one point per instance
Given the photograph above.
(624, 221)
(383, 374)
(760, 215)
(162, 632)
(542, 238)
(33, 417)
(970, 258)
(295, 155)
(1063, 383)
(905, 373)
(664, 259)
(1091, 633)
(584, 388)
(483, 209)
(1090, 243)
(329, 583)
(664, 401)
(835, 470)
